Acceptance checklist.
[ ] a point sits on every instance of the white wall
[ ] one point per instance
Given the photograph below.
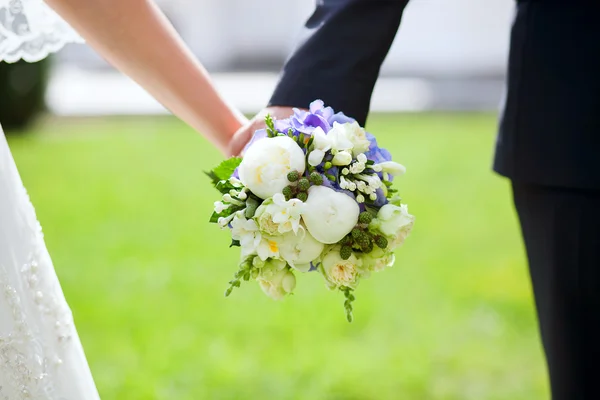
(448, 37)
(436, 38)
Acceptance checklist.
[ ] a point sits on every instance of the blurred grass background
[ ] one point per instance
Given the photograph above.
(124, 205)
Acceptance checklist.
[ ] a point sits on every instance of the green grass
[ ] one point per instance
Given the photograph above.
(124, 205)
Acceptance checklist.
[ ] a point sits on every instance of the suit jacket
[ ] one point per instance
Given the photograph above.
(549, 131)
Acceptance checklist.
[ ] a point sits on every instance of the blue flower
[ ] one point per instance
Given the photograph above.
(375, 152)
(381, 199)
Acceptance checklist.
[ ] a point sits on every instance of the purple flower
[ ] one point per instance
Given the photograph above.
(313, 267)
(306, 122)
(381, 199)
(258, 135)
(340, 118)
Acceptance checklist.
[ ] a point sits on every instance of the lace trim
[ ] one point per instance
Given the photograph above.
(30, 30)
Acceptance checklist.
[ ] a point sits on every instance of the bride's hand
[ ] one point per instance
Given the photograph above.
(244, 134)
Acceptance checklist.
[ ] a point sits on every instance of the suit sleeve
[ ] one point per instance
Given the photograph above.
(338, 61)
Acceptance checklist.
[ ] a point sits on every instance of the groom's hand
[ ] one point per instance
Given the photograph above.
(244, 134)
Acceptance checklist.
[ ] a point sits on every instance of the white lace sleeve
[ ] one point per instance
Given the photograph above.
(30, 30)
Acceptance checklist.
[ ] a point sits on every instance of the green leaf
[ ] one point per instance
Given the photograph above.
(214, 218)
(224, 186)
(271, 132)
(213, 177)
(224, 170)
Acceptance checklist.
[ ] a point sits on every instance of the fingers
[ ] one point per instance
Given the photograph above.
(241, 138)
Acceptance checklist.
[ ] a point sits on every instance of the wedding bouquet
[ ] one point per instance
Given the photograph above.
(313, 192)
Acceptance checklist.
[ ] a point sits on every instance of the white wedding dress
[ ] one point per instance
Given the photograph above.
(40, 353)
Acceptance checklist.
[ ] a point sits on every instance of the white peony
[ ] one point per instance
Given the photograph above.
(394, 222)
(321, 144)
(276, 280)
(300, 249)
(266, 164)
(354, 134)
(277, 216)
(329, 215)
(377, 260)
(246, 231)
(339, 272)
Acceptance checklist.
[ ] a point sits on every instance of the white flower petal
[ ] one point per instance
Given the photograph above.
(266, 164)
(329, 215)
(316, 157)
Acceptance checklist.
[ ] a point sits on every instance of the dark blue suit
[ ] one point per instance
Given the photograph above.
(548, 145)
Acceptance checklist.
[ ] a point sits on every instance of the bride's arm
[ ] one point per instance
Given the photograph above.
(135, 37)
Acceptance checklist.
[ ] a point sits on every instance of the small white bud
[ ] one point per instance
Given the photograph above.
(220, 207)
(342, 158)
(235, 181)
(373, 196)
(360, 198)
(362, 158)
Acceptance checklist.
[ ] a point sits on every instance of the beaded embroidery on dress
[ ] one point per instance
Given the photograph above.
(40, 353)
(30, 30)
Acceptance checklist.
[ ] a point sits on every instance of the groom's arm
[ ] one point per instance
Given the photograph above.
(344, 44)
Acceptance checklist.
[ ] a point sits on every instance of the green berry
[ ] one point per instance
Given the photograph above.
(288, 192)
(316, 178)
(293, 176)
(356, 233)
(345, 252)
(368, 247)
(346, 241)
(381, 242)
(365, 217)
(302, 196)
(363, 242)
(330, 177)
(328, 165)
(303, 184)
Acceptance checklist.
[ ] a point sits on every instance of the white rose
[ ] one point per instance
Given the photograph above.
(394, 222)
(329, 215)
(300, 249)
(377, 260)
(276, 282)
(355, 134)
(265, 220)
(339, 272)
(266, 164)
